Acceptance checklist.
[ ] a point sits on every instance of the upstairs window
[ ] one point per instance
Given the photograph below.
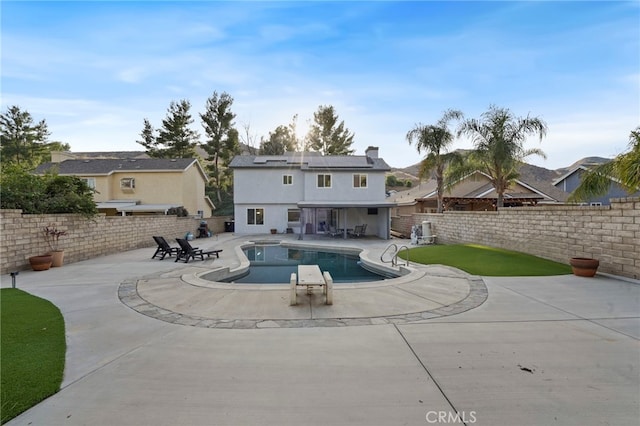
(287, 180)
(127, 183)
(324, 181)
(91, 182)
(359, 181)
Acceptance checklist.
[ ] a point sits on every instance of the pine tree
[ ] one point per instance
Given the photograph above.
(21, 141)
(281, 140)
(328, 136)
(222, 140)
(176, 138)
(149, 140)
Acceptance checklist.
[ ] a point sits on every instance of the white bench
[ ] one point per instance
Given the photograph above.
(310, 276)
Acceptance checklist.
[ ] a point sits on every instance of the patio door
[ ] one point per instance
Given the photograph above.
(323, 220)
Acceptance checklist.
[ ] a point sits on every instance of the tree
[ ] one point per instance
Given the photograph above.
(328, 136)
(625, 168)
(435, 139)
(50, 193)
(281, 140)
(498, 139)
(222, 140)
(175, 139)
(248, 139)
(149, 140)
(21, 140)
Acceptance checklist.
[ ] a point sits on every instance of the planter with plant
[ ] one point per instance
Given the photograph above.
(52, 237)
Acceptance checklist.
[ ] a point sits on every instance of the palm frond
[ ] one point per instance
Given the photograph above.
(594, 182)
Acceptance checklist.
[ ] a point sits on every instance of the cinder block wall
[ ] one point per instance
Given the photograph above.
(609, 233)
(21, 235)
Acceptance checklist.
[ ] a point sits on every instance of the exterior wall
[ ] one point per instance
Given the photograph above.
(265, 186)
(275, 217)
(175, 187)
(103, 189)
(342, 187)
(21, 235)
(608, 233)
(193, 192)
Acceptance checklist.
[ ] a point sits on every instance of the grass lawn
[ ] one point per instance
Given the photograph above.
(32, 350)
(486, 261)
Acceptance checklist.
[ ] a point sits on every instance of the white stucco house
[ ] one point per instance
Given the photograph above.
(309, 193)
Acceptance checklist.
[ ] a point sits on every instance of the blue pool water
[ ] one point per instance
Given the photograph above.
(275, 263)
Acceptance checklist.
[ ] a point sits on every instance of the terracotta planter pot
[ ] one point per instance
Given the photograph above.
(57, 257)
(40, 263)
(584, 267)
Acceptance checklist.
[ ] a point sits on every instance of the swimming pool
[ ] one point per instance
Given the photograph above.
(273, 264)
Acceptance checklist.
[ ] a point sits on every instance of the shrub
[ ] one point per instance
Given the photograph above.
(178, 211)
(50, 193)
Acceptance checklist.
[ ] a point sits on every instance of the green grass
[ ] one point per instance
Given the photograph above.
(486, 261)
(32, 351)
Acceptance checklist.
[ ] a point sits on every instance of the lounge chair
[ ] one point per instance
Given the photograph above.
(164, 248)
(334, 232)
(358, 231)
(187, 252)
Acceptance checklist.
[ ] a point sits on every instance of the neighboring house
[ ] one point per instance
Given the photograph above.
(60, 156)
(134, 186)
(308, 193)
(570, 181)
(473, 193)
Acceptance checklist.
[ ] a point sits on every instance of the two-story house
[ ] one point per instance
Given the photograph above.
(133, 186)
(308, 193)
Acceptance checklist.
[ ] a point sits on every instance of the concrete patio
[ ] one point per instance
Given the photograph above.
(148, 343)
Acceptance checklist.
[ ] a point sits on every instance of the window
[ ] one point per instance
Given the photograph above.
(255, 216)
(91, 182)
(293, 215)
(324, 181)
(359, 181)
(127, 183)
(372, 211)
(287, 180)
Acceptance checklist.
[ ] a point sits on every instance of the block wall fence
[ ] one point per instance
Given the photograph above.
(608, 233)
(21, 235)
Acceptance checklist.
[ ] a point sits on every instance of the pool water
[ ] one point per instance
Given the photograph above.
(275, 263)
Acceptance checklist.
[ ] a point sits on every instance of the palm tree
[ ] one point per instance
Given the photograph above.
(625, 168)
(435, 139)
(498, 139)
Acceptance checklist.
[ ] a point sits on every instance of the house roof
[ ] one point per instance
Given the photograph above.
(583, 167)
(310, 161)
(106, 166)
(409, 196)
(100, 154)
(528, 188)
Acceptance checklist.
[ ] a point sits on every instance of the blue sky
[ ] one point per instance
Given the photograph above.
(95, 70)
